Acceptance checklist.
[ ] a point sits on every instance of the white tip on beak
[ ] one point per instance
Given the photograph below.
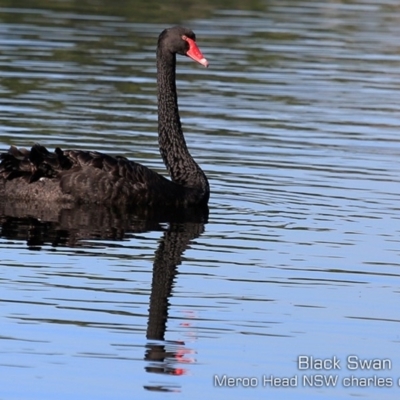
(204, 62)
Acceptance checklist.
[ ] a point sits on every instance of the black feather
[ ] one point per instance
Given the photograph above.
(93, 177)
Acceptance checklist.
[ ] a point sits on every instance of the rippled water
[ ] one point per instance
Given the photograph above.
(296, 123)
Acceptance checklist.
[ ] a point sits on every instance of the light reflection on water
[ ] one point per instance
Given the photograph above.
(296, 125)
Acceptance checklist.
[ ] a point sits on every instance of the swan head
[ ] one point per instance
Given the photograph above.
(180, 40)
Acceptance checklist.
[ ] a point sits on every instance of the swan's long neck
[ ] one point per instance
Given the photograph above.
(180, 164)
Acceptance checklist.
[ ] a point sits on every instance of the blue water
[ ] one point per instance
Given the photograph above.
(296, 125)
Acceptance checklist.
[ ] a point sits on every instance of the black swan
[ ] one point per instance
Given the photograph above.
(76, 176)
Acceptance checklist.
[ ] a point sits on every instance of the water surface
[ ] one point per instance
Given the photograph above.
(296, 125)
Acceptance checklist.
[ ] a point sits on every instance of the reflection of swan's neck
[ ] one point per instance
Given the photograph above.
(168, 256)
(180, 164)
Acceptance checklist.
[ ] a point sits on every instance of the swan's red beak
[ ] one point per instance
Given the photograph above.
(194, 52)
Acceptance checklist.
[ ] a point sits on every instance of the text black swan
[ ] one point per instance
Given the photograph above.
(93, 177)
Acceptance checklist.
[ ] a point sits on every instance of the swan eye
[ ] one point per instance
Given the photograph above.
(184, 37)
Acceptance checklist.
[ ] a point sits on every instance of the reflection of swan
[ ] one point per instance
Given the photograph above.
(61, 225)
(168, 255)
(39, 223)
(92, 177)
(165, 357)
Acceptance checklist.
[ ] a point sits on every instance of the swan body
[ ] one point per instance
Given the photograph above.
(77, 176)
